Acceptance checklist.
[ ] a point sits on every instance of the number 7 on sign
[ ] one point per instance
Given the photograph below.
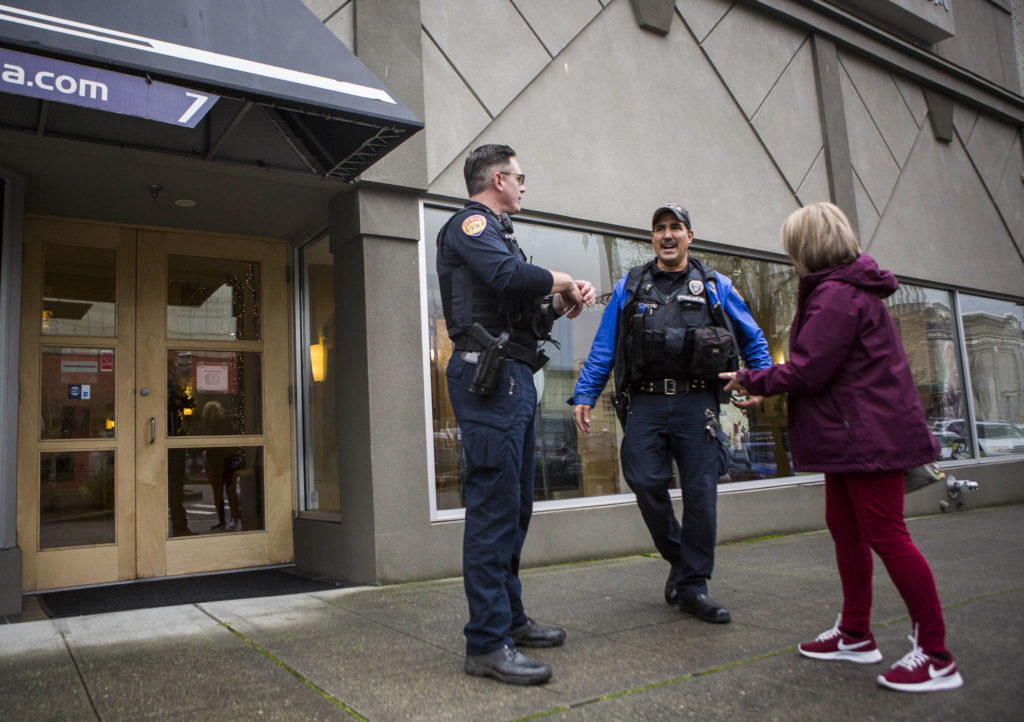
(199, 102)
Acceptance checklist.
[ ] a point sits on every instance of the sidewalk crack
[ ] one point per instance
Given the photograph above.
(81, 677)
(290, 670)
(654, 685)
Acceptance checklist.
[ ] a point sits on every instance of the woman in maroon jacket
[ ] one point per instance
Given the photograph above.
(854, 414)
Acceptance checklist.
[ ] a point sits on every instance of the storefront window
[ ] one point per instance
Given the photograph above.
(995, 357)
(572, 465)
(322, 487)
(927, 329)
(759, 437)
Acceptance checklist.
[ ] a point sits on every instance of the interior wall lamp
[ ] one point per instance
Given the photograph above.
(318, 358)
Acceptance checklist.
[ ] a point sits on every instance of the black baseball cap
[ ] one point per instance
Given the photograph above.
(678, 211)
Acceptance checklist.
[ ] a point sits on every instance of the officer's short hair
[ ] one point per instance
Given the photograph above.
(480, 164)
(819, 236)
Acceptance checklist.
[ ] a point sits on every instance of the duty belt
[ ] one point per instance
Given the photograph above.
(515, 351)
(670, 387)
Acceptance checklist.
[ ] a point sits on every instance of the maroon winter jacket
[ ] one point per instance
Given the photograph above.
(852, 401)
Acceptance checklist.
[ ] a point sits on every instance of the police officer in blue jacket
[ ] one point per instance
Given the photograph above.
(668, 325)
(497, 307)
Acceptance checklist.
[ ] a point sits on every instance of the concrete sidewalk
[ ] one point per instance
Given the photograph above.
(396, 653)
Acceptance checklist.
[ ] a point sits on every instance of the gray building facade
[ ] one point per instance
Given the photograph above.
(906, 113)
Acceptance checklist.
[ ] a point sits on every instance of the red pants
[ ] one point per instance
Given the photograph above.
(864, 512)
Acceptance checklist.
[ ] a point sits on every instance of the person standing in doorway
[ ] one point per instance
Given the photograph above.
(221, 463)
(670, 327)
(497, 308)
(854, 414)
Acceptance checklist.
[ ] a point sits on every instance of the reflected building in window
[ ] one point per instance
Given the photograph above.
(995, 353)
(927, 327)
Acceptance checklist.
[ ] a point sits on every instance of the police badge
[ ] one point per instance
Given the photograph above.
(696, 287)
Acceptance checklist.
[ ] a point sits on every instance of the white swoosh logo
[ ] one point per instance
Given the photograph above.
(850, 647)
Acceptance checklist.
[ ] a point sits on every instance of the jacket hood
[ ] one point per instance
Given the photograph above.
(862, 271)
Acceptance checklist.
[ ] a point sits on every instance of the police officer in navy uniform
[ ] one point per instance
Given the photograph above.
(668, 325)
(497, 307)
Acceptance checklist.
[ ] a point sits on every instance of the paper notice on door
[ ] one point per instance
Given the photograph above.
(212, 378)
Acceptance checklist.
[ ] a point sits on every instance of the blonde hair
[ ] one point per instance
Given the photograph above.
(213, 414)
(819, 236)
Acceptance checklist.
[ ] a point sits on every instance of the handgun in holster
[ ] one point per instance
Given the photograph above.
(490, 362)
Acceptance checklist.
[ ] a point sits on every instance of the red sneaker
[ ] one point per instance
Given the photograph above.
(920, 672)
(836, 644)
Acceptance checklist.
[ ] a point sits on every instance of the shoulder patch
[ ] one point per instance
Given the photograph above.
(474, 225)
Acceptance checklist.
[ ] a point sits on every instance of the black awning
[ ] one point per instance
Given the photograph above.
(316, 99)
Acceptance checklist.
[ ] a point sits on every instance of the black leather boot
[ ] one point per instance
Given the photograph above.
(507, 664)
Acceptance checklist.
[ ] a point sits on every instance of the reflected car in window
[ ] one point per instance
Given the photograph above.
(950, 434)
(997, 438)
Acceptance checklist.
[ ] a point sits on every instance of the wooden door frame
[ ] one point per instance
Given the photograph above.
(48, 568)
(158, 555)
(142, 548)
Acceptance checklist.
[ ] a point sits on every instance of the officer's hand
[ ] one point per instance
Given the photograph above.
(582, 414)
(561, 303)
(587, 291)
(572, 300)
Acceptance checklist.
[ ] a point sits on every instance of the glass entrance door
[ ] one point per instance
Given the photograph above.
(213, 459)
(154, 433)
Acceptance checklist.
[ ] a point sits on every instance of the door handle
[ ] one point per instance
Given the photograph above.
(152, 429)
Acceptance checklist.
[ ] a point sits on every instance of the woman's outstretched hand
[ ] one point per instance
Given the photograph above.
(740, 396)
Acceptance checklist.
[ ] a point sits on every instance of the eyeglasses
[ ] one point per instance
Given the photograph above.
(521, 177)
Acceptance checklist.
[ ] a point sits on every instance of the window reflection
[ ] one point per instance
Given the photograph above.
(76, 393)
(76, 499)
(995, 355)
(571, 465)
(758, 440)
(214, 489)
(322, 483)
(214, 299)
(79, 291)
(927, 327)
(574, 465)
(199, 383)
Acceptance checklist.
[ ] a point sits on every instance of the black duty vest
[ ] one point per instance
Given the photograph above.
(660, 328)
(630, 367)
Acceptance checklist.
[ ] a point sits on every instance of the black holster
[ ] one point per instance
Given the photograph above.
(491, 360)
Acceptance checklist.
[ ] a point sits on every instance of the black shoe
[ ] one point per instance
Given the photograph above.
(532, 634)
(508, 665)
(671, 592)
(704, 607)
